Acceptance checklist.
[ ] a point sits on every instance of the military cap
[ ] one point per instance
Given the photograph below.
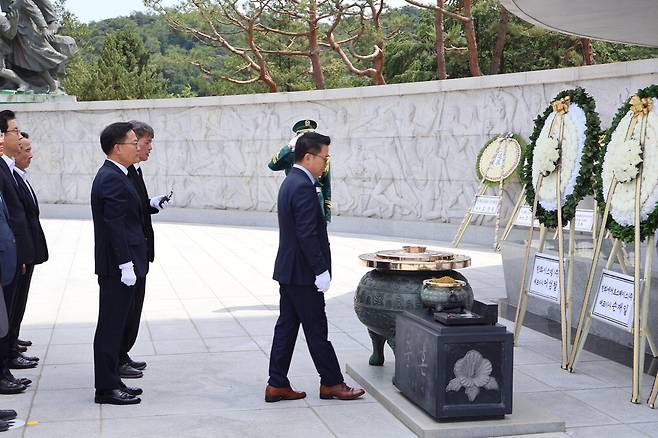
(304, 126)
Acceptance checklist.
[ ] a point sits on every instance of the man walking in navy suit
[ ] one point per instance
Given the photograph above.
(303, 270)
(120, 256)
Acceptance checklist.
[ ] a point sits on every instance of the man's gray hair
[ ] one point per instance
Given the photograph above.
(142, 129)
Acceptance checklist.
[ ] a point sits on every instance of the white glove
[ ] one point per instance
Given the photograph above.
(159, 202)
(293, 141)
(322, 281)
(128, 276)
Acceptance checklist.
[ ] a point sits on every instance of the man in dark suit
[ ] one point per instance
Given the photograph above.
(24, 251)
(303, 270)
(7, 274)
(31, 204)
(120, 256)
(128, 367)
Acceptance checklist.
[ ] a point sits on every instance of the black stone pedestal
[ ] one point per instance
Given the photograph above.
(454, 372)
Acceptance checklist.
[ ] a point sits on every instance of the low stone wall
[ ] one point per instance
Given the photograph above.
(403, 152)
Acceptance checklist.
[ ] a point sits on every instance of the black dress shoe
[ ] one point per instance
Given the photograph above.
(132, 390)
(20, 380)
(9, 387)
(4, 426)
(7, 415)
(116, 397)
(30, 358)
(20, 363)
(128, 372)
(21, 349)
(138, 365)
(24, 343)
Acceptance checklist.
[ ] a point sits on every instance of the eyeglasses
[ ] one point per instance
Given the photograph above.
(324, 158)
(15, 131)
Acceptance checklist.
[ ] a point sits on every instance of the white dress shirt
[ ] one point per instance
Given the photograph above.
(10, 162)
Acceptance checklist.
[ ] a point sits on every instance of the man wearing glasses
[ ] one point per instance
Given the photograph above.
(285, 159)
(129, 368)
(9, 359)
(121, 257)
(303, 270)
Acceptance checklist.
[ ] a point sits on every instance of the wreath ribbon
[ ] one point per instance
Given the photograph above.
(641, 105)
(561, 106)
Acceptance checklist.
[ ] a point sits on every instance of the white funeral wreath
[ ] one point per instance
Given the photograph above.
(623, 154)
(547, 154)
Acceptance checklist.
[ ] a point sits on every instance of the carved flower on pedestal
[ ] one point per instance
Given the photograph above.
(472, 372)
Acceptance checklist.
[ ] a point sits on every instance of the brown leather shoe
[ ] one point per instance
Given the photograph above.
(340, 391)
(273, 394)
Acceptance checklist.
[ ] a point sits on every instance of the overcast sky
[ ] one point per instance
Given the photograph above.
(94, 10)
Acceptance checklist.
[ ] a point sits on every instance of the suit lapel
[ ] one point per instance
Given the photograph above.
(5, 169)
(28, 202)
(131, 188)
(34, 197)
(4, 208)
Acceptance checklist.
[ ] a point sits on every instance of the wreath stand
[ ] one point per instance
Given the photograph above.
(565, 290)
(640, 298)
(502, 149)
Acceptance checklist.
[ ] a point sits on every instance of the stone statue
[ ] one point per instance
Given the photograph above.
(36, 53)
(8, 28)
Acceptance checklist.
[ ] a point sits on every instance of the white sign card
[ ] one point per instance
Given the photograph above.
(486, 205)
(614, 300)
(524, 215)
(545, 278)
(584, 221)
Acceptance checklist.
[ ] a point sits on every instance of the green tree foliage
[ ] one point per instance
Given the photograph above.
(411, 57)
(122, 71)
(140, 56)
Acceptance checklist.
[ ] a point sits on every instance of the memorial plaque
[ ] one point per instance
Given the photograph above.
(454, 372)
(584, 221)
(545, 278)
(524, 216)
(614, 300)
(486, 205)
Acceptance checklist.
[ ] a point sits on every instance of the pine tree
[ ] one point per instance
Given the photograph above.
(122, 72)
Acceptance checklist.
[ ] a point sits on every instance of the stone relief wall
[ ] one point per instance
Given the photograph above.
(402, 152)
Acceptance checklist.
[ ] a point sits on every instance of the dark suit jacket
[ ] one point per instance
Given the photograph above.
(138, 180)
(31, 204)
(17, 218)
(118, 228)
(7, 248)
(303, 241)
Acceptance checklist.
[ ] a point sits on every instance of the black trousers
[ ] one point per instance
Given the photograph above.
(305, 305)
(114, 305)
(9, 293)
(134, 317)
(18, 308)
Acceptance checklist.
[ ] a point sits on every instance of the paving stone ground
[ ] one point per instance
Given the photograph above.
(206, 332)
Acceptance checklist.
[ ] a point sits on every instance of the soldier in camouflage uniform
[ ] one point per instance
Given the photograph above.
(285, 158)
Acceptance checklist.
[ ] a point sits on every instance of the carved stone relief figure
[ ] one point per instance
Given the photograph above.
(37, 53)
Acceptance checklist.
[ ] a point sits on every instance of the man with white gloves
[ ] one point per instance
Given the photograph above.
(303, 270)
(121, 257)
(129, 368)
